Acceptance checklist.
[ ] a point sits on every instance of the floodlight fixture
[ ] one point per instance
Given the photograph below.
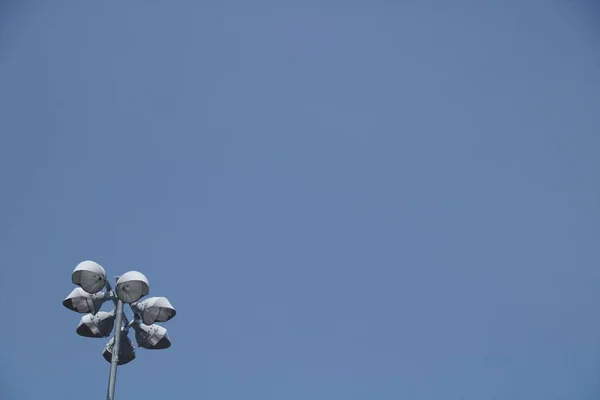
(154, 309)
(82, 302)
(126, 351)
(90, 276)
(98, 326)
(151, 337)
(131, 286)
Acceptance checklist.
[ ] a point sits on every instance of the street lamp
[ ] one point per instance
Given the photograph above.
(131, 287)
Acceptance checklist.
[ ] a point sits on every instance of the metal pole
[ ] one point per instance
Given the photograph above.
(115, 352)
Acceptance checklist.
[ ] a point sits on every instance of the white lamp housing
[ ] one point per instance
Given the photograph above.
(151, 337)
(126, 350)
(90, 276)
(132, 286)
(82, 302)
(154, 309)
(97, 326)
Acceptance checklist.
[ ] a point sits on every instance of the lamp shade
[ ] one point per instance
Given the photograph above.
(152, 337)
(90, 276)
(126, 350)
(155, 309)
(82, 302)
(97, 326)
(132, 286)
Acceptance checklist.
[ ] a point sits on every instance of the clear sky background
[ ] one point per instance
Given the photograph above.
(343, 200)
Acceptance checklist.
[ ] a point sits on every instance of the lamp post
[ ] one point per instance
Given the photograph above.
(87, 298)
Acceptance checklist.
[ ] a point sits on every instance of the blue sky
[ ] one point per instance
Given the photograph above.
(367, 200)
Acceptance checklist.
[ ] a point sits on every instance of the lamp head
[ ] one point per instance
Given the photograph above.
(154, 309)
(90, 276)
(126, 350)
(151, 337)
(82, 302)
(97, 326)
(132, 286)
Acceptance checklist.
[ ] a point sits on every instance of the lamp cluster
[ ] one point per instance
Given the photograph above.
(88, 299)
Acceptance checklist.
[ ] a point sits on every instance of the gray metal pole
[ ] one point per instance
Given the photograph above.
(115, 352)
